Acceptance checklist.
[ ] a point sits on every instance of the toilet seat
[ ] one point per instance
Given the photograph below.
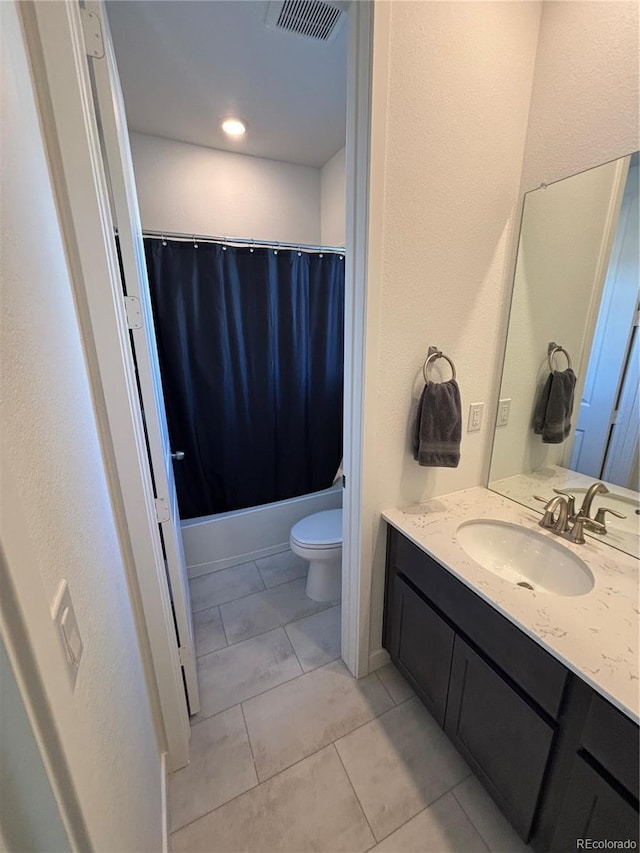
(320, 531)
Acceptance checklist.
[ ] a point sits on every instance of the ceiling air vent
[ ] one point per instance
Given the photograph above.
(316, 19)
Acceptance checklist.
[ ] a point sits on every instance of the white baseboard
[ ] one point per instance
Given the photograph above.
(378, 659)
(165, 802)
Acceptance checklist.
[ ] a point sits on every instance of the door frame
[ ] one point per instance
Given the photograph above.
(55, 33)
(56, 46)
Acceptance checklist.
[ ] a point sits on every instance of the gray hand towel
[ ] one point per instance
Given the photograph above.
(438, 427)
(552, 415)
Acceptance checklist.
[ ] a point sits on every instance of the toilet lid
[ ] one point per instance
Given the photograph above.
(319, 529)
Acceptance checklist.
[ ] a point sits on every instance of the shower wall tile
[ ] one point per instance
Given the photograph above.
(226, 585)
(254, 614)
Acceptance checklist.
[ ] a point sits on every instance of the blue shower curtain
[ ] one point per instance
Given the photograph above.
(250, 342)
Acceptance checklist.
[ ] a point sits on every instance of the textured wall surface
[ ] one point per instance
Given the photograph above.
(459, 85)
(333, 200)
(50, 450)
(585, 100)
(187, 188)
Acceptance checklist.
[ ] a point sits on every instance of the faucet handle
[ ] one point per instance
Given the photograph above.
(599, 519)
(571, 501)
(541, 499)
(576, 534)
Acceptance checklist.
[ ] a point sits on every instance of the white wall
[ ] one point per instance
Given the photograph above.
(57, 519)
(191, 189)
(29, 818)
(474, 122)
(584, 104)
(457, 102)
(333, 200)
(558, 278)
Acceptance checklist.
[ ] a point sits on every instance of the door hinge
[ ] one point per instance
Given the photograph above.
(636, 321)
(162, 510)
(133, 311)
(614, 419)
(92, 32)
(184, 654)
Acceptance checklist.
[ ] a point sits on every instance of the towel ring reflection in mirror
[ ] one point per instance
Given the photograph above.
(432, 356)
(552, 349)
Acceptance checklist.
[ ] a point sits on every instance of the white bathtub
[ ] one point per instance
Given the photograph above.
(218, 541)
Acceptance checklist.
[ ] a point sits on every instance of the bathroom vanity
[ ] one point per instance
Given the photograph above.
(538, 691)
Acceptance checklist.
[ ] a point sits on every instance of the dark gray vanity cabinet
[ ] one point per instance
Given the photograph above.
(498, 733)
(558, 759)
(416, 627)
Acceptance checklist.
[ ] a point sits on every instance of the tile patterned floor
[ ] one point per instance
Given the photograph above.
(290, 753)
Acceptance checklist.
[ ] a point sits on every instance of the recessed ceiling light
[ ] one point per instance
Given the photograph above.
(233, 127)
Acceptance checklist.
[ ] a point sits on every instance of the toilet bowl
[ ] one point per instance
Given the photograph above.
(318, 539)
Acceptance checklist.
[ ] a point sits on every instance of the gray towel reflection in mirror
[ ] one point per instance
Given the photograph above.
(552, 415)
(438, 426)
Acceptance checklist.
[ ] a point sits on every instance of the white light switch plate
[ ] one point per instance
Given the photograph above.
(504, 407)
(476, 411)
(64, 617)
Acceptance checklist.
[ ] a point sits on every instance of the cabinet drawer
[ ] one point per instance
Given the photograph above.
(593, 809)
(533, 669)
(422, 648)
(612, 739)
(503, 739)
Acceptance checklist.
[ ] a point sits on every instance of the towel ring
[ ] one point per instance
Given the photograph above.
(432, 357)
(553, 349)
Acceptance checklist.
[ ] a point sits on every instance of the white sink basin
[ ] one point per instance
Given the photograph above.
(524, 557)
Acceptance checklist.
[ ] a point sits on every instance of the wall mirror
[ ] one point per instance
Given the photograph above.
(576, 286)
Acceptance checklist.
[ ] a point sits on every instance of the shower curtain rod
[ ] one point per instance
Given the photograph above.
(242, 241)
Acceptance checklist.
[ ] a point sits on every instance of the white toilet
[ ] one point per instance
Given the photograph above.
(318, 539)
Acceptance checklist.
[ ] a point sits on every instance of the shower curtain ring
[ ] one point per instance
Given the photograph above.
(164, 242)
(195, 244)
(224, 245)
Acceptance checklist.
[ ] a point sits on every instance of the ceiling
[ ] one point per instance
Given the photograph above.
(186, 65)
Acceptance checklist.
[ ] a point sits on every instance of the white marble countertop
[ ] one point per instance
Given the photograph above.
(594, 635)
(622, 534)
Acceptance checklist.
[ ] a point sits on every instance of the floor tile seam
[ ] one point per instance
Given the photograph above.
(222, 710)
(261, 634)
(249, 594)
(219, 603)
(281, 583)
(246, 728)
(259, 785)
(294, 648)
(355, 794)
(329, 743)
(224, 630)
(282, 625)
(409, 819)
(386, 690)
(218, 571)
(485, 841)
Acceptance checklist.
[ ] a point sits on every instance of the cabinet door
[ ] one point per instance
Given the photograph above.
(500, 735)
(421, 648)
(593, 809)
